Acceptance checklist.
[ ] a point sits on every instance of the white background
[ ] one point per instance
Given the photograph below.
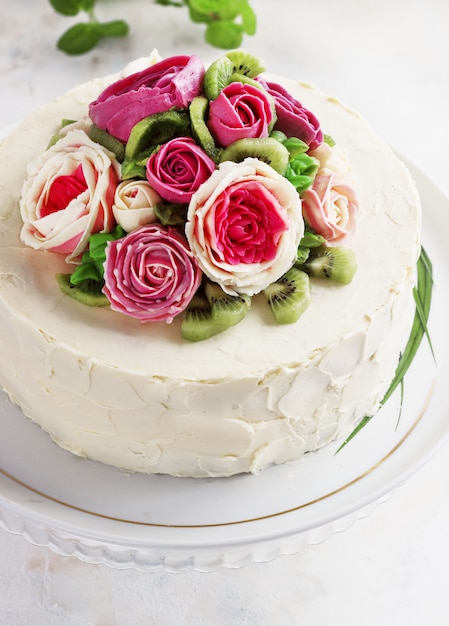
(389, 59)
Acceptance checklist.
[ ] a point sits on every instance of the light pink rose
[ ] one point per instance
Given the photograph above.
(244, 225)
(68, 195)
(150, 274)
(171, 83)
(330, 206)
(178, 168)
(240, 111)
(293, 118)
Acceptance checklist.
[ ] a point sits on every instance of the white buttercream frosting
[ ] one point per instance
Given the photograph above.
(139, 397)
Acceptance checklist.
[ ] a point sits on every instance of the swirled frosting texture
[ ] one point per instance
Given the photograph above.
(141, 399)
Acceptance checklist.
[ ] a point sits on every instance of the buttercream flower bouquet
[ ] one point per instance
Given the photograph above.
(189, 191)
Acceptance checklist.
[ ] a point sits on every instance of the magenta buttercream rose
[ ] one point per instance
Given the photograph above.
(294, 119)
(244, 226)
(171, 83)
(68, 195)
(178, 168)
(150, 274)
(240, 111)
(330, 206)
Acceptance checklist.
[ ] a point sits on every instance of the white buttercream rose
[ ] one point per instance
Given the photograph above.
(244, 225)
(134, 204)
(68, 195)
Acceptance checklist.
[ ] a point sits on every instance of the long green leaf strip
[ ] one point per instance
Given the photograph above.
(423, 296)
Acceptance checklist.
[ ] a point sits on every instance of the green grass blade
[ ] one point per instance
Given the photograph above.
(423, 298)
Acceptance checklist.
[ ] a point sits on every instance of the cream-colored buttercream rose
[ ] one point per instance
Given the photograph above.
(244, 225)
(134, 204)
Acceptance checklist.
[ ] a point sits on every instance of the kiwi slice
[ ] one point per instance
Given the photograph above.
(234, 66)
(198, 110)
(245, 63)
(155, 130)
(334, 263)
(217, 76)
(265, 149)
(87, 292)
(108, 141)
(226, 310)
(197, 323)
(212, 312)
(289, 296)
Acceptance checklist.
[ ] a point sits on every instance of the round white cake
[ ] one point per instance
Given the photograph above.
(140, 397)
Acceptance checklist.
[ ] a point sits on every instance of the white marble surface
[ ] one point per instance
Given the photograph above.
(390, 60)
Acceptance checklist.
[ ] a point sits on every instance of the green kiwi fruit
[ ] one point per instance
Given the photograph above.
(107, 141)
(198, 110)
(87, 292)
(245, 63)
(289, 296)
(227, 310)
(234, 66)
(332, 262)
(154, 130)
(197, 323)
(217, 76)
(265, 149)
(212, 312)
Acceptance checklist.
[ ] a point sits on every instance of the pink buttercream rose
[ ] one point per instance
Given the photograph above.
(171, 83)
(293, 118)
(330, 206)
(240, 111)
(68, 195)
(178, 168)
(244, 225)
(150, 274)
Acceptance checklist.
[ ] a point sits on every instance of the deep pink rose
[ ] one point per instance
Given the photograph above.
(330, 206)
(68, 195)
(171, 83)
(240, 111)
(178, 168)
(293, 118)
(150, 274)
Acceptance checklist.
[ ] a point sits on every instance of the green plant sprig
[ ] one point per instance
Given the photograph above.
(226, 22)
(422, 294)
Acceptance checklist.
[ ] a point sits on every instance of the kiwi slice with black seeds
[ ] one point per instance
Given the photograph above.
(87, 292)
(212, 311)
(245, 63)
(227, 310)
(197, 323)
(335, 263)
(265, 149)
(289, 296)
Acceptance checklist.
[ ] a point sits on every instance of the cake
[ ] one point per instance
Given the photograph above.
(164, 381)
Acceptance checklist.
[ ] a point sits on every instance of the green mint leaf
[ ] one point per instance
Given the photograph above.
(115, 28)
(170, 3)
(199, 18)
(224, 34)
(79, 39)
(87, 5)
(67, 7)
(249, 20)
